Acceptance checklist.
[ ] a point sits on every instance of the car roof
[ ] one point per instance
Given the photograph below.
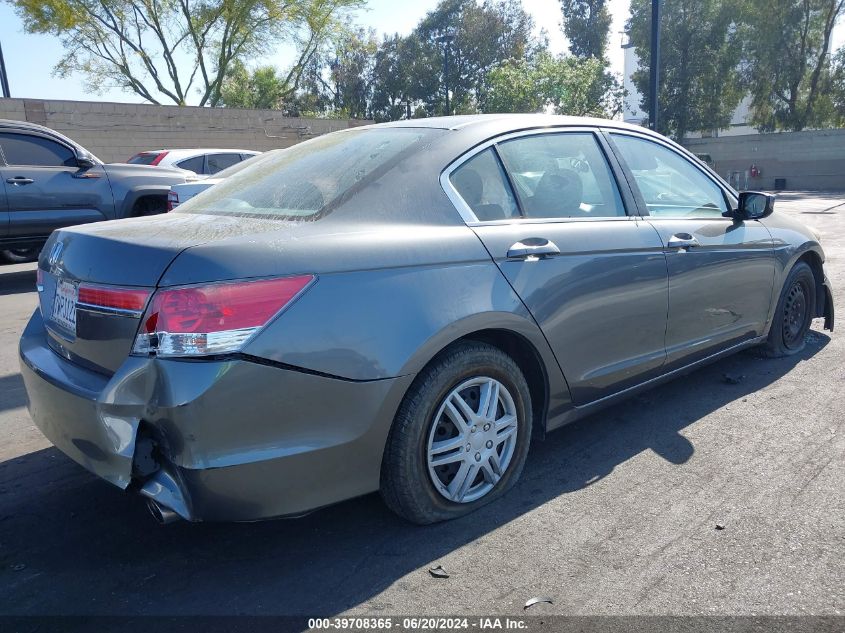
(199, 151)
(508, 121)
(39, 129)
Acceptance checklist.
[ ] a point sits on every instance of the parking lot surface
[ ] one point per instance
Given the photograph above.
(614, 515)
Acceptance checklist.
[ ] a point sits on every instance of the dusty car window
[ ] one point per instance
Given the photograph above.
(483, 186)
(561, 176)
(671, 186)
(309, 180)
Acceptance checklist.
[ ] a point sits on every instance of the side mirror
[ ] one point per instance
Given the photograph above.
(84, 161)
(753, 205)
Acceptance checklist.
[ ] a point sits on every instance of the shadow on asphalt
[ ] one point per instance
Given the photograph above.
(12, 392)
(88, 548)
(12, 283)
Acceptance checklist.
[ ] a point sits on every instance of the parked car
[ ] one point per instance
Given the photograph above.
(49, 182)
(203, 162)
(400, 307)
(182, 192)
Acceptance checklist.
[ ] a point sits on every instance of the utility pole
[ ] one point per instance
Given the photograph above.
(4, 78)
(654, 65)
(447, 39)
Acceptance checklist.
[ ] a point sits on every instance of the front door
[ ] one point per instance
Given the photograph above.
(594, 278)
(45, 188)
(721, 272)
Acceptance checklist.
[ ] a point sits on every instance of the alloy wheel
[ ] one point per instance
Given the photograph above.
(472, 439)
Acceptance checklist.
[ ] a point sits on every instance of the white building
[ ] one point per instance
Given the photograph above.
(632, 113)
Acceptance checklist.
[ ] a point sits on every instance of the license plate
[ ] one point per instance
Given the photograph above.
(64, 305)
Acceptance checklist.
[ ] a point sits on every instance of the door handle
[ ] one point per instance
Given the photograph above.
(683, 240)
(538, 247)
(20, 180)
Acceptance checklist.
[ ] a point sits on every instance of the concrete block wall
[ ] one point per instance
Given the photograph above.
(116, 131)
(812, 160)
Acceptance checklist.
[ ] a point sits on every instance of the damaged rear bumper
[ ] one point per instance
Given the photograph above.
(229, 440)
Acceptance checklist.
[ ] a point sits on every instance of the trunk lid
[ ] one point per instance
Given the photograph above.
(131, 254)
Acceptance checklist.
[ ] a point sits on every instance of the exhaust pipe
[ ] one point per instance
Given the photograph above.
(162, 515)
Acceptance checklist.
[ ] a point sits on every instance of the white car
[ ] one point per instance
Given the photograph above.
(203, 162)
(182, 192)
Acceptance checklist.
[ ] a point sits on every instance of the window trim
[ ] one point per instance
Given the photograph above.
(5, 163)
(729, 195)
(470, 218)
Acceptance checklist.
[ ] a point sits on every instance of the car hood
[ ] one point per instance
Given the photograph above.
(148, 172)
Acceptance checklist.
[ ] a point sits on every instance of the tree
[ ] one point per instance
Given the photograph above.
(568, 85)
(170, 47)
(787, 61)
(482, 35)
(262, 88)
(837, 88)
(700, 54)
(586, 24)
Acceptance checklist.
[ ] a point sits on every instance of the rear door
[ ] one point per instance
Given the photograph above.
(45, 188)
(548, 208)
(721, 272)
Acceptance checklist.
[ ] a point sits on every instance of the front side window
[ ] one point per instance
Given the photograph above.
(563, 175)
(309, 180)
(483, 186)
(671, 186)
(26, 150)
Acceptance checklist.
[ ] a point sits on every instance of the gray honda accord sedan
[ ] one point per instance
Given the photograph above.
(401, 307)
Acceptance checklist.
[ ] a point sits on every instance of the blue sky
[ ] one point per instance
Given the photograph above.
(30, 58)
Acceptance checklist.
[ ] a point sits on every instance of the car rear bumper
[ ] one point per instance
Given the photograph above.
(229, 439)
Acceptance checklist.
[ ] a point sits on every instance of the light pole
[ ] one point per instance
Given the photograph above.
(446, 38)
(654, 65)
(4, 78)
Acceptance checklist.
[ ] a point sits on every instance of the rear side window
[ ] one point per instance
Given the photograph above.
(23, 149)
(144, 158)
(192, 164)
(562, 175)
(483, 186)
(311, 179)
(219, 162)
(671, 186)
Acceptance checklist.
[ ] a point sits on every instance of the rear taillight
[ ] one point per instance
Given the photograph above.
(172, 200)
(215, 318)
(128, 301)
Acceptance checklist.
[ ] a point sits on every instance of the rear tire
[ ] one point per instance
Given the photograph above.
(437, 467)
(793, 314)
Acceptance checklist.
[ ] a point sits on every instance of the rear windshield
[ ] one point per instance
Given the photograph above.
(145, 158)
(311, 179)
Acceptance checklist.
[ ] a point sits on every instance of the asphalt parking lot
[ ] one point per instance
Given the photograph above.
(615, 515)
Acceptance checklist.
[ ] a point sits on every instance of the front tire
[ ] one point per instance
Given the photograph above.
(793, 314)
(460, 437)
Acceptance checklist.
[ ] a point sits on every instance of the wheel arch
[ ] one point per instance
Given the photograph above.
(519, 340)
(814, 261)
(526, 356)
